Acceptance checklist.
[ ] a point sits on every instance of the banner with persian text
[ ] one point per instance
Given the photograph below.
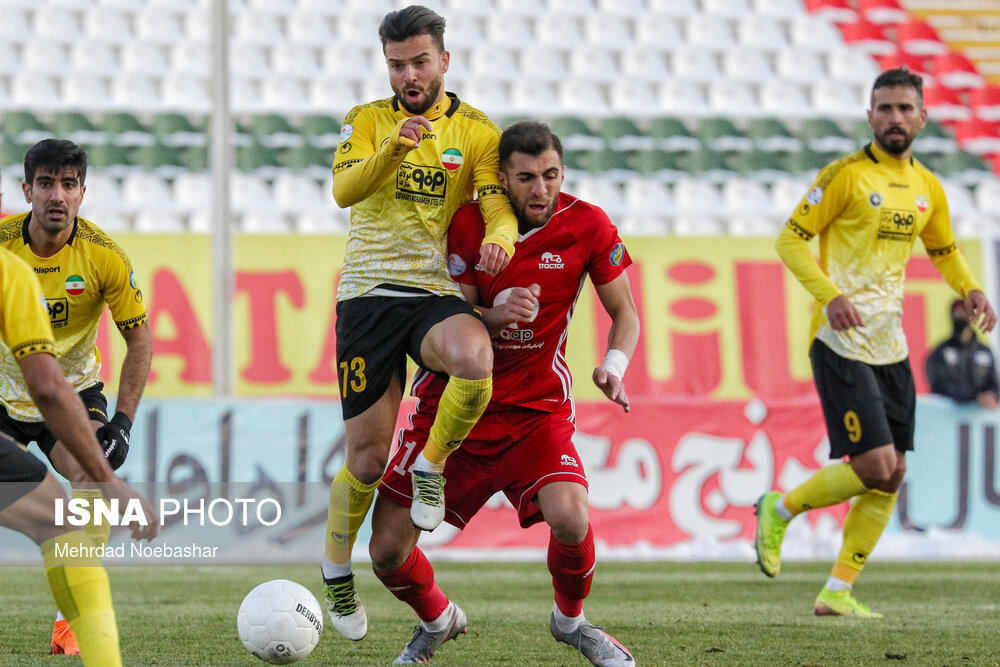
(673, 479)
(722, 319)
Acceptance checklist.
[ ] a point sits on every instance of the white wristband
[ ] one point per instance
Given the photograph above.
(615, 362)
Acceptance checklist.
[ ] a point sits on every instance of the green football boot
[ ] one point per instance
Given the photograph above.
(770, 533)
(841, 603)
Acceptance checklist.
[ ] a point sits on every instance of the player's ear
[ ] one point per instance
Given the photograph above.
(445, 61)
(26, 189)
(502, 178)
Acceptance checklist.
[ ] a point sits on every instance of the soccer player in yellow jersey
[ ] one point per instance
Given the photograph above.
(81, 270)
(29, 493)
(404, 165)
(868, 209)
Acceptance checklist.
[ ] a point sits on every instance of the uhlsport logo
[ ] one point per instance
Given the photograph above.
(551, 261)
(75, 285)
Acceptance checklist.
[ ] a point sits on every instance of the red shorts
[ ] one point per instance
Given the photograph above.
(515, 450)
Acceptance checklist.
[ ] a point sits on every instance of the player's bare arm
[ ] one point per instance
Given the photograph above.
(135, 368)
(616, 297)
(980, 311)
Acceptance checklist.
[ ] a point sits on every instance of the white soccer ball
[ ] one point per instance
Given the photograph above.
(280, 622)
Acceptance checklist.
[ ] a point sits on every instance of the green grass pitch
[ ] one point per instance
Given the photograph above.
(666, 613)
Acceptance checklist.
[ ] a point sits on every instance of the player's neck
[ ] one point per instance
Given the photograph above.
(44, 243)
(905, 156)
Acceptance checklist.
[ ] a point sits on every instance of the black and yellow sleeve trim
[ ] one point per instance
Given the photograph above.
(132, 323)
(800, 231)
(33, 347)
(941, 252)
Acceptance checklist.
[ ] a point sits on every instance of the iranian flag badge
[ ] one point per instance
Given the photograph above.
(452, 159)
(75, 285)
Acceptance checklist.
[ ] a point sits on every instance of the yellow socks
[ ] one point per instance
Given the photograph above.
(98, 534)
(350, 500)
(828, 486)
(869, 515)
(462, 403)
(80, 588)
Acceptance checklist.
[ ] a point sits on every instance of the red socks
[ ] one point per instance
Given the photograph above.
(572, 568)
(413, 583)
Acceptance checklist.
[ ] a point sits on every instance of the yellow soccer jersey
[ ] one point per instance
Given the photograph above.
(399, 223)
(24, 320)
(77, 282)
(868, 208)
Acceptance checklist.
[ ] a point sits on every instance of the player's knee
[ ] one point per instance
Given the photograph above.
(386, 554)
(569, 524)
(471, 359)
(367, 464)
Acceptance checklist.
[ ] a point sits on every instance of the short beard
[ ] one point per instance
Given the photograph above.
(906, 140)
(429, 99)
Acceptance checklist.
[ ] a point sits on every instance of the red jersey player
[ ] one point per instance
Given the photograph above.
(523, 444)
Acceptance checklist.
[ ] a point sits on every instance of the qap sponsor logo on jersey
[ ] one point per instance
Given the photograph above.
(617, 254)
(456, 265)
(520, 335)
(551, 261)
(346, 132)
(921, 203)
(815, 195)
(58, 308)
(75, 285)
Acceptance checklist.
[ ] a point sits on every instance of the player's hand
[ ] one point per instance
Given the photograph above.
(981, 314)
(119, 488)
(612, 386)
(988, 400)
(521, 306)
(113, 437)
(841, 314)
(410, 133)
(492, 259)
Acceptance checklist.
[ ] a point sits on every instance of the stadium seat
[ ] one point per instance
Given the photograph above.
(675, 8)
(639, 63)
(698, 224)
(332, 221)
(659, 164)
(761, 32)
(308, 28)
(250, 192)
(604, 192)
(516, 31)
(198, 26)
(321, 131)
(914, 63)
(264, 222)
(257, 28)
(747, 196)
(784, 98)
(532, 96)
(159, 222)
(919, 38)
(145, 191)
(825, 136)
(23, 127)
(725, 95)
(809, 32)
(787, 192)
(95, 58)
(104, 193)
(604, 161)
(658, 32)
(747, 65)
(681, 98)
(807, 163)
(882, 11)
(163, 160)
(41, 55)
(836, 11)
(707, 165)
(764, 166)
(192, 191)
(695, 64)
(275, 131)
(282, 92)
(294, 59)
(55, 25)
(854, 66)
(297, 194)
(956, 71)
(978, 136)
(868, 36)
(158, 26)
(492, 99)
(987, 196)
(704, 31)
(672, 135)
(86, 91)
(349, 60)
(614, 31)
(33, 91)
(492, 61)
(621, 133)
(598, 64)
(76, 127)
(946, 105)
(934, 139)
(144, 56)
(629, 95)
(550, 29)
(575, 134)
(985, 102)
(110, 220)
(960, 201)
(645, 196)
(719, 134)
(798, 66)
(17, 24)
(837, 99)
(10, 183)
(176, 129)
(257, 158)
(772, 135)
(308, 160)
(333, 94)
(780, 9)
(581, 8)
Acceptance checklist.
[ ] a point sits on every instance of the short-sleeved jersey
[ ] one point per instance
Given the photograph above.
(868, 209)
(91, 270)
(529, 359)
(399, 234)
(24, 319)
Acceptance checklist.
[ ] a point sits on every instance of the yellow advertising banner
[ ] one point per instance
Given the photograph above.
(721, 317)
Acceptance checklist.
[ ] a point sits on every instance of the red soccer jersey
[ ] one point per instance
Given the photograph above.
(529, 360)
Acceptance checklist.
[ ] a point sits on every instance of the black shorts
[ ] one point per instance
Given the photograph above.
(374, 335)
(27, 432)
(20, 472)
(865, 406)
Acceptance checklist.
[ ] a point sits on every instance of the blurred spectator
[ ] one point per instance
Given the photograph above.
(961, 367)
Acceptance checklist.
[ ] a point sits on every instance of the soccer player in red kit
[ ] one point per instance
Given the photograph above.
(523, 443)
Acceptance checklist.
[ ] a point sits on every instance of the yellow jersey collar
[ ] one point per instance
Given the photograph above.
(879, 156)
(446, 107)
(27, 237)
